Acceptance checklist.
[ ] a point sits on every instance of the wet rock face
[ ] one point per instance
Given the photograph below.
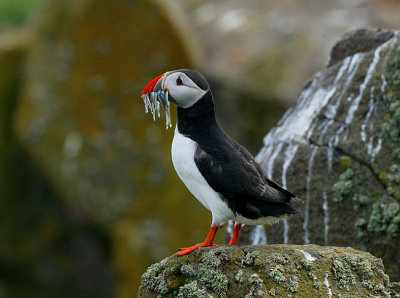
(268, 271)
(337, 148)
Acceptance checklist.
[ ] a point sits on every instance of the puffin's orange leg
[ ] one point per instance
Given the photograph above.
(236, 230)
(208, 242)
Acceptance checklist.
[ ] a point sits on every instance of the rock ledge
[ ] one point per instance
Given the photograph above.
(268, 271)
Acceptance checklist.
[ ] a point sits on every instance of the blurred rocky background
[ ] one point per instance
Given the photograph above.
(88, 195)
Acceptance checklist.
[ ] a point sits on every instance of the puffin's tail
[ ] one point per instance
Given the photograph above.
(255, 209)
(285, 195)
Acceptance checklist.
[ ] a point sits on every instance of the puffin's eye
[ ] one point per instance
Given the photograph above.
(179, 81)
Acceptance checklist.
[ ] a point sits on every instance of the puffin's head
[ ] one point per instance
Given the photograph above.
(182, 87)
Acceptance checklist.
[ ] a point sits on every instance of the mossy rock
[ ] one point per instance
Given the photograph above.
(81, 119)
(338, 149)
(81, 115)
(39, 234)
(268, 271)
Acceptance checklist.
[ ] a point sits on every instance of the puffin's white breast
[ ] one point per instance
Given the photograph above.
(183, 151)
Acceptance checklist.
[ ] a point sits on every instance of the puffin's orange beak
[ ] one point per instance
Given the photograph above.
(150, 86)
(155, 95)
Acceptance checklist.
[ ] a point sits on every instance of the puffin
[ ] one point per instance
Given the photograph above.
(219, 172)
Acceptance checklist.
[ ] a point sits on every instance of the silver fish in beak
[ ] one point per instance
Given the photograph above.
(155, 95)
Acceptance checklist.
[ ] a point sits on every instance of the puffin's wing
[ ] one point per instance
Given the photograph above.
(235, 173)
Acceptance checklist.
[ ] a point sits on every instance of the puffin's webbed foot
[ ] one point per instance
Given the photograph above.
(208, 242)
(187, 250)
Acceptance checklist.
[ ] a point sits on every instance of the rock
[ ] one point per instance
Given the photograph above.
(81, 115)
(43, 242)
(82, 120)
(272, 47)
(337, 148)
(268, 271)
(358, 41)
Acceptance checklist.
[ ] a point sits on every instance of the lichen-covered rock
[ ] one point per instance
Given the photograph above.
(338, 149)
(268, 271)
(82, 120)
(81, 115)
(43, 242)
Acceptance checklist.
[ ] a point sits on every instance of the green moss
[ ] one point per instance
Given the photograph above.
(383, 176)
(316, 285)
(256, 283)
(381, 288)
(393, 181)
(361, 227)
(378, 264)
(385, 218)
(276, 274)
(308, 265)
(348, 271)
(384, 276)
(252, 258)
(188, 270)
(174, 283)
(255, 279)
(344, 187)
(191, 290)
(210, 274)
(239, 277)
(391, 211)
(367, 284)
(272, 292)
(279, 258)
(392, 119)
(153, 278)
(342, 274)
(293, 285)
(345, 162)
(360, 265)
(312, 276)
(376, 223)
(361, 200)
(207, 273)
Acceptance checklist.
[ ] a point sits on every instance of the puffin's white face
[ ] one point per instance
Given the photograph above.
(183, 87)
(182, 90)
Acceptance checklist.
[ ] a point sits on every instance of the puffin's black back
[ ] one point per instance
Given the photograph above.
(229, 168)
